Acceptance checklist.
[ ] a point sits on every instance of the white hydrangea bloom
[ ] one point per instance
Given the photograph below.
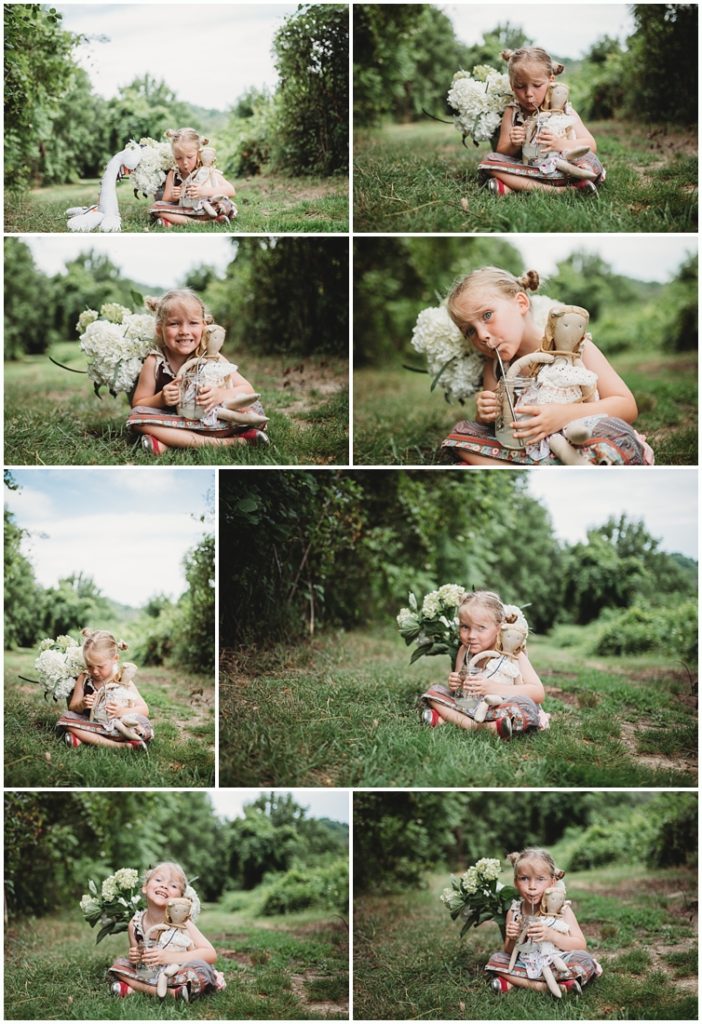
(51, 666)
(140, 327)
(469, 880)
(488, 868)
(113, 312)
(74, 661)
(89, 904)
(116, 351)
(451, 594)
(46, 644)
(431, 605)
(437, 337)
(406, 619)
(156, 160)
(87, 317)
(479, 102)
(109, 888)
(126, 878)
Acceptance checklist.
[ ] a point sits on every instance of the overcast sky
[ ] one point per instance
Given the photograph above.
(153, 260)
(127, 528)
(645, 257)
(209, 54)
(320, 803)
(664, 498)
(563, 29)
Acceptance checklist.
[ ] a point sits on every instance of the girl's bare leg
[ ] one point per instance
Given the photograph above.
(173, 438)
(474, 459)
(518, 184)
(93, 739)
(449, 715)
(535, 986)
(172, 218)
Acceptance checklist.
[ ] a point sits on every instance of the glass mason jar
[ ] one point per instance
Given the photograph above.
(190, 385)
(510, 390)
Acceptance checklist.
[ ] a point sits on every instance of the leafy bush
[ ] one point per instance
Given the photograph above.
(642, 628)
(608, 842)
(298, 890)
(675, 840)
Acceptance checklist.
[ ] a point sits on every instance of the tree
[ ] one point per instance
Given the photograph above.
(193, 639)
(144, 108)
(663, 80)
(24, 598)
(312, 55)
(73, 604)
(25, 316)
(259, 846)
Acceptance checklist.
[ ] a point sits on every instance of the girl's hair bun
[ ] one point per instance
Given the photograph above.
(529, 280)
(507, 54)
(559, 874)
(170, 133)
(558, 69)
(513, 858)
(152, 302)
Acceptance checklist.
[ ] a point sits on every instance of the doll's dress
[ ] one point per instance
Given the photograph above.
(557, 383)
(176, 940)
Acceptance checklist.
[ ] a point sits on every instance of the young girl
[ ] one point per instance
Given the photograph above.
(183, 182)
(534, 872)
(102, 697)
(181, 319)
(492, 310)
(139, 970)
(531, 71)
(481, 616)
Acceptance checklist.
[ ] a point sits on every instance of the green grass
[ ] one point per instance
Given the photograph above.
(410, 963)
(399, 421)
(418, 177)
(181, 754)
(282, 968)
(52, 416)
(343, 712)
(266, 203)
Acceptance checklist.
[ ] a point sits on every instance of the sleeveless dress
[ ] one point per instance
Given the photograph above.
(101, 724)
(198, 975)
(525, 714)
(542, 171)
(142, 415)
(530, 962)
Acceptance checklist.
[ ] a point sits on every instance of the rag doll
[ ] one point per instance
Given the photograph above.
(213, 206)
(554, 116)
(560, 377)
(213, 368)
(129, 725)
(501, 668)
(173, 935)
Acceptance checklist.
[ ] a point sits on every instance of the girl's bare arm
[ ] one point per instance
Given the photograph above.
(582, 135)
(145, 392)
(76, 700)
(506, 144)
(171, 192)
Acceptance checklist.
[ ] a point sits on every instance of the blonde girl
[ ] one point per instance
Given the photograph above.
(492, 309)
(534, 873)
(105, 708)
(481, 616)
(184, 182)
(194, 954)
(532, 72)
(181, 320)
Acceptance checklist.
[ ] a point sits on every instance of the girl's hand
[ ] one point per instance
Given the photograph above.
(454, 682)
(512, 930)
(538, 931)
(156, 957)
(175, 192)
(89, 699)
(193, 191)
(477, 686)
(134, 955)
(517, 135)
(114, 710)
(488, 406)
(210, 396)
(548, 140)
(171, 393)
(543, 420)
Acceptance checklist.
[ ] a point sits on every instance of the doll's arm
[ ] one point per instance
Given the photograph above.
(574, 939)
(518, 367)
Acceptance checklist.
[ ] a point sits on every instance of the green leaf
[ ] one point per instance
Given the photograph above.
(92, 886)
(444, 367)
(107, 930)
(137, 298)
(414, 369)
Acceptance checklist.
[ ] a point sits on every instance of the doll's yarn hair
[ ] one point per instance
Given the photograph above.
(99, 643)
(485, 599)
(162, 306)
(530, 55)
(487, 281)
(535, 853)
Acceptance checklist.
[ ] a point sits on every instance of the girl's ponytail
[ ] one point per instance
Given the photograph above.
(529, 280)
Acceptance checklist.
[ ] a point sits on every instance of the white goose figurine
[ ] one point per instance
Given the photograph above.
(106, 214)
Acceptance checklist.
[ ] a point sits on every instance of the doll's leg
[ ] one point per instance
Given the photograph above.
(553, 986)
(563, 450)
(490, 700)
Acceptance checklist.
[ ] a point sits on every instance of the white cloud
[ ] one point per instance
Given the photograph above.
(230, 803)
(645, 257)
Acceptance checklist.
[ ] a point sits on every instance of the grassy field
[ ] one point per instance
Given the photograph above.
(266, 203)
(418, 177)
(399, 421)
(409, 962)
(343, 712)
(52, 417)
(277, 968)
(182, 753)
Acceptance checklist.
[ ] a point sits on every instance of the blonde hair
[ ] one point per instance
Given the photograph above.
(177, 296)
(486, 599)
(100, 643)
(535, 853)
(530, 55)
(487, 279)
(175, 869)
(187, 137)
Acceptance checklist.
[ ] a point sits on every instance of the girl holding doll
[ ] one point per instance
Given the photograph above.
(186, 948)
(493, 311)
(482, 616)
(543, 941)
(532, 73)
(105, 708)
(208, 194)
(181, 335)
